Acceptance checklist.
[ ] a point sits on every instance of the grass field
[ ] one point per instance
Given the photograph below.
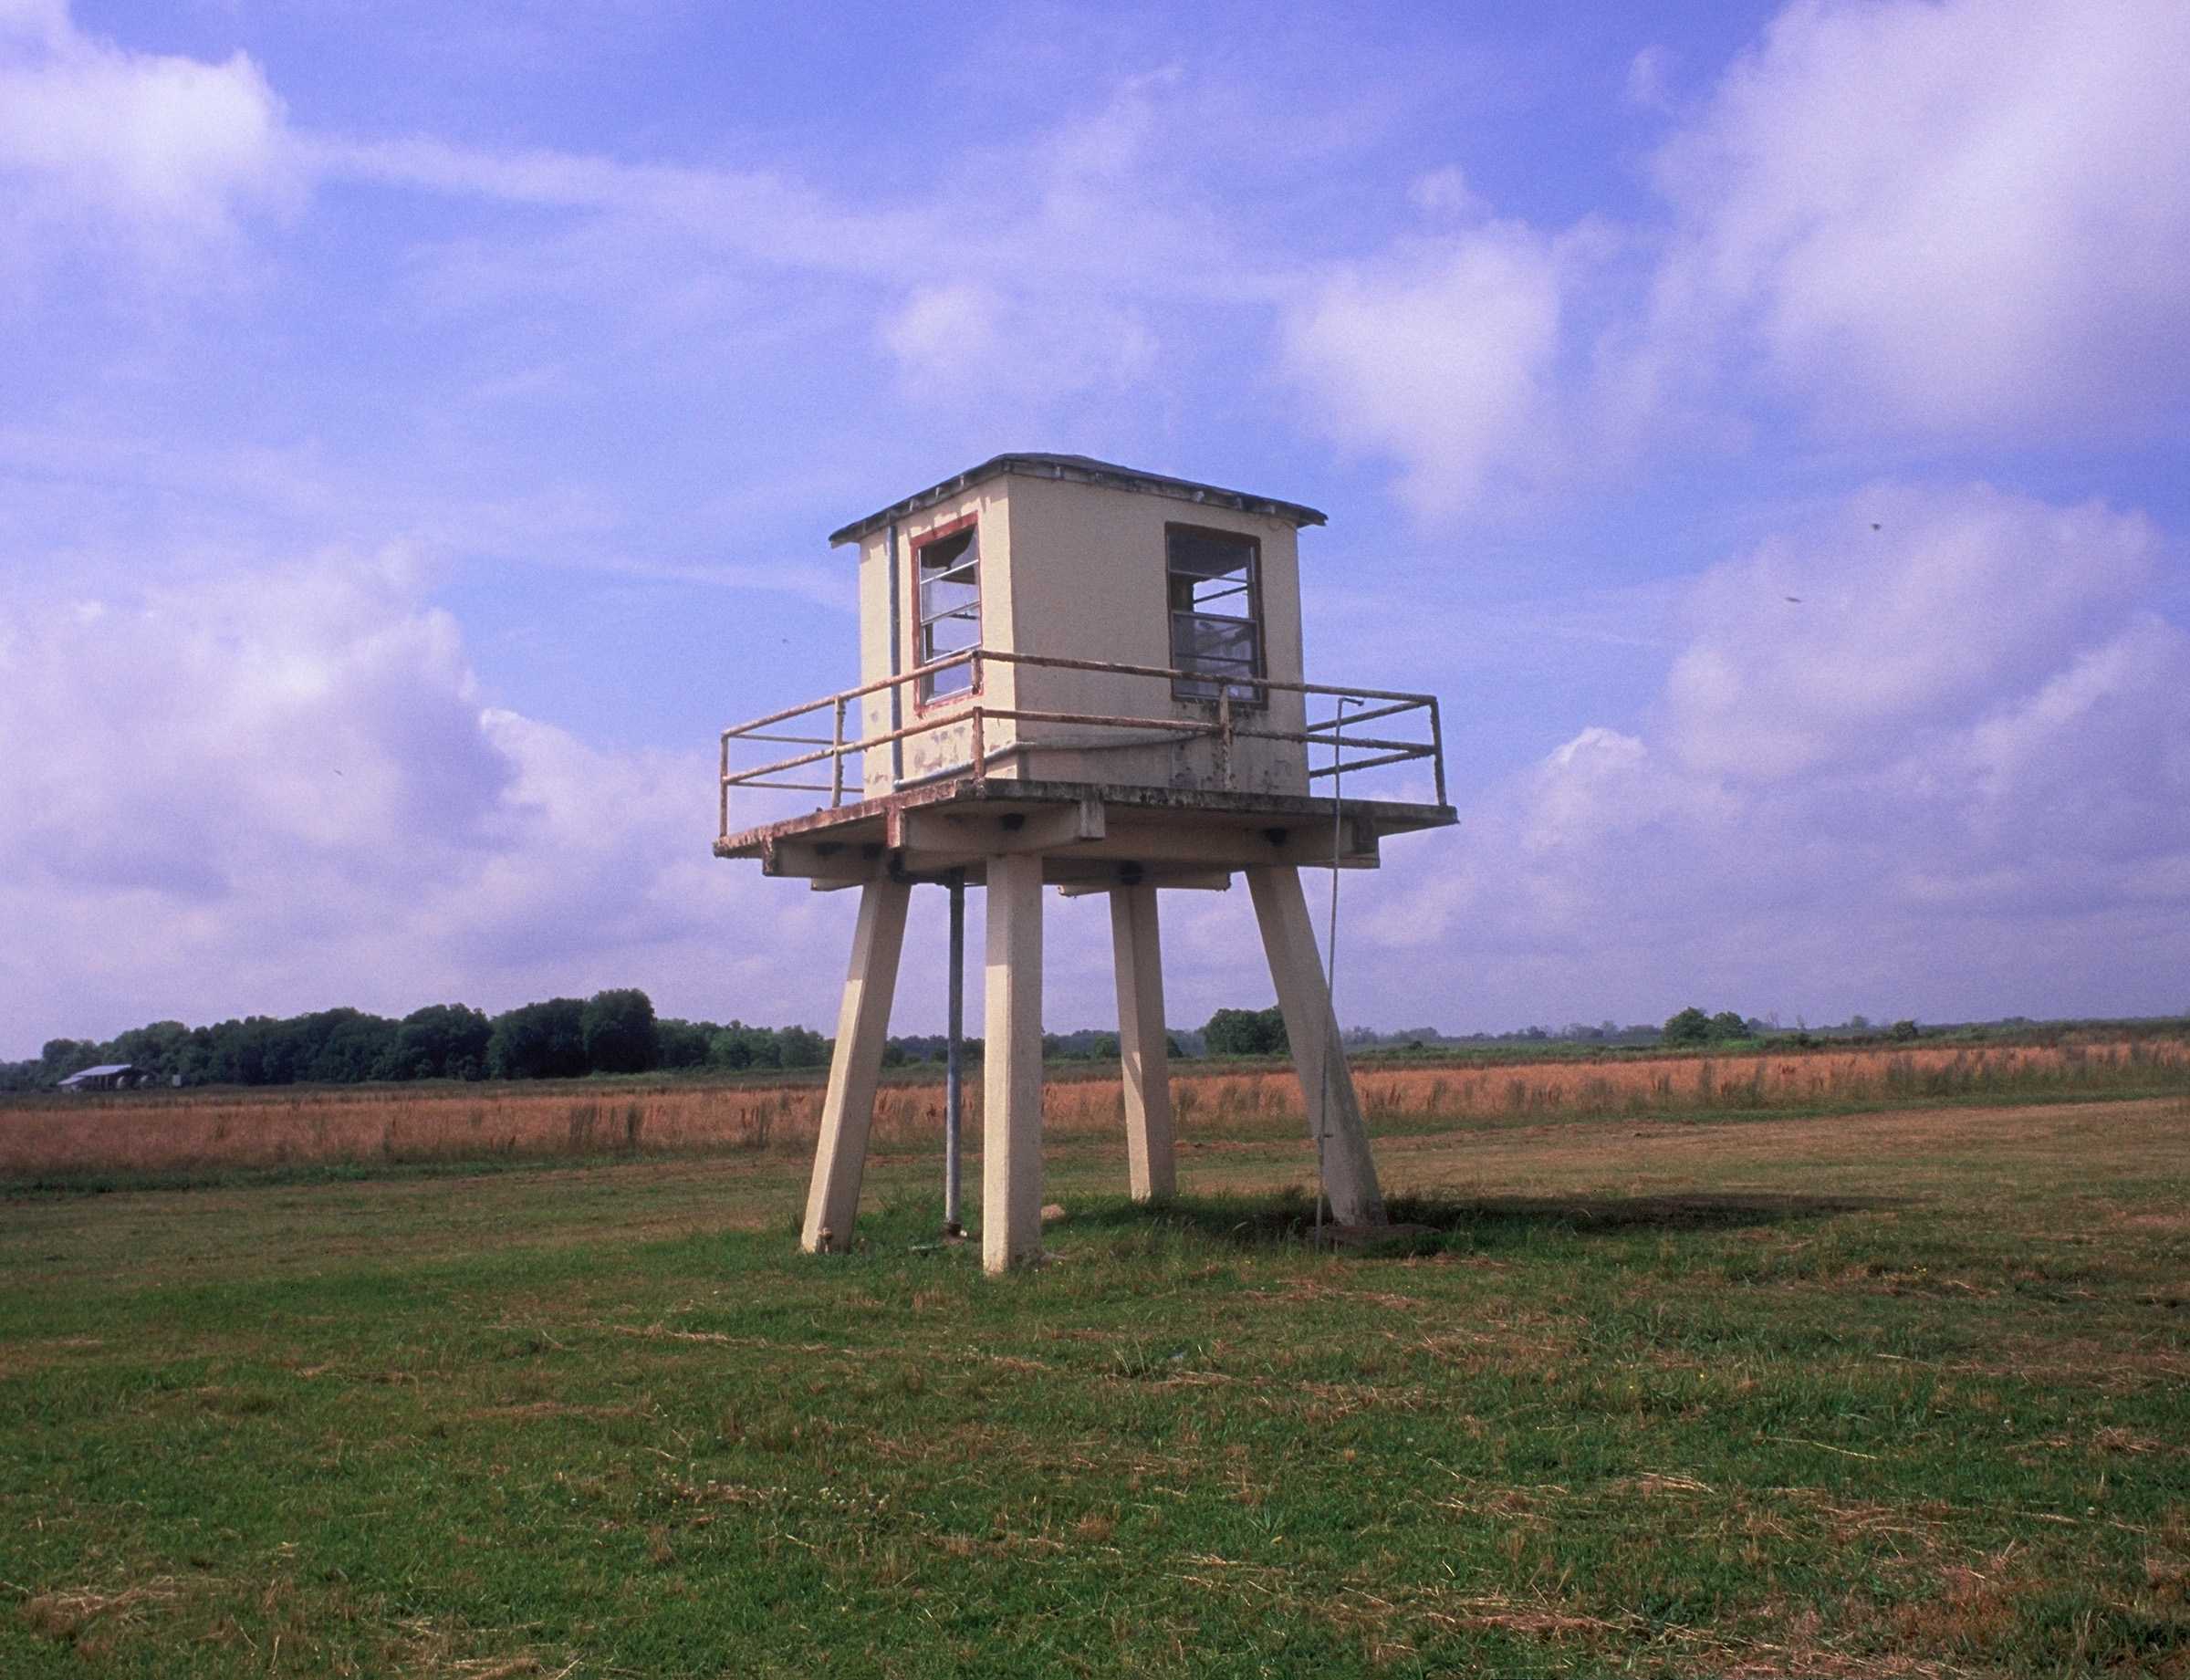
(1726, 1390)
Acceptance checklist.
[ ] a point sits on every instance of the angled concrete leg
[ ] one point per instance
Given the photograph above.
(1011, 1071)
(1289, 941)
(832, 1201)
(1143, 1054)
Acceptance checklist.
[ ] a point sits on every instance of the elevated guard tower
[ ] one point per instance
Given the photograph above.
(1078, 675)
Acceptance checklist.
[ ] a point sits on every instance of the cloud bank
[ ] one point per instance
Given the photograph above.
(1960, 222)
(1925, 754)
(1963, 218)
(277, 788)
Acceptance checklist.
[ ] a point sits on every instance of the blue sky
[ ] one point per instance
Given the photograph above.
(419, 427)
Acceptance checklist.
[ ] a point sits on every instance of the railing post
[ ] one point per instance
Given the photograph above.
(1437, 748)
(973, 667)
(1223, 734)
(721, 787)
(836, 759)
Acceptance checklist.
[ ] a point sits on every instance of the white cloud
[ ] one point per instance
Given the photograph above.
(1650, 78)
(944, 327)
(1959, 220)
(1890, 617)
(1067, 254)
(164, 151)
(756, 215)
(1966, 217)
(42, 22)
(972, 342)
(1443, 354)
(1955, 777)
(278, 789)
(1445, 193)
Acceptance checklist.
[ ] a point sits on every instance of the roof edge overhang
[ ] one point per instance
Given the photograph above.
(1077, 469)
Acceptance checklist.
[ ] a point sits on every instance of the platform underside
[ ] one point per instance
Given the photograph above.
(1090, 836)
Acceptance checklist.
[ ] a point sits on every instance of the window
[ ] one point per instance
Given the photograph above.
(948, 569)
(1216, 613)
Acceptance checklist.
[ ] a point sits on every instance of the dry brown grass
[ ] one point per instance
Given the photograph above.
(232, 1128)
(1768, 1079)
(67, 1614)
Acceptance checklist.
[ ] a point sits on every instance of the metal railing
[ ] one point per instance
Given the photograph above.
(1224, 726)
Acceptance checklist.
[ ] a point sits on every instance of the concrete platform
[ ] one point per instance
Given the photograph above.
(1090, 837)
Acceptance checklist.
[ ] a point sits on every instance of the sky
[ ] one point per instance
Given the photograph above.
(1762, 427)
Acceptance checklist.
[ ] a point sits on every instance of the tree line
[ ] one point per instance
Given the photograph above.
(613, 1031)
(617, 1031)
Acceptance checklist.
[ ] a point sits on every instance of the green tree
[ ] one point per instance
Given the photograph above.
(730, 1047)
(158, 1047)
(619, 1032)
(801, 1047)
(1727, 1026)
(441, 1041)
(265, 1051)
(343, 1046)
(1245, 1032)
(538, 1041)
(1691, 1026)
(62, 1056)
(683, 1044)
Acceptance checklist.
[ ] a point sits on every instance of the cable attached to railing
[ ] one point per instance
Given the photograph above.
(1330, 954)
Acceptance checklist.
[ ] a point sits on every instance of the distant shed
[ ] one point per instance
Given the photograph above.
(111, 1076)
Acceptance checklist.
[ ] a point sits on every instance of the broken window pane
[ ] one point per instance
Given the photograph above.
(1199, 643)
(1215, 614)
(948, 608)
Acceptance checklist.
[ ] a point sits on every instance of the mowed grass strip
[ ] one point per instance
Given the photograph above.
(1891, 1393)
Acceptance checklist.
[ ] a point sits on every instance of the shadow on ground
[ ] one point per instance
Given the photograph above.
(1420, 1223)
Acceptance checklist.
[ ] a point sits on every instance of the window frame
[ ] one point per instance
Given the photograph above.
(1259, 696)
(924, 698)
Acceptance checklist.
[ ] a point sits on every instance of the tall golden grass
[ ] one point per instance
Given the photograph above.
(157, 1133)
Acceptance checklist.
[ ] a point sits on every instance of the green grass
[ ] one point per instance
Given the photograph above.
(1889, 1393)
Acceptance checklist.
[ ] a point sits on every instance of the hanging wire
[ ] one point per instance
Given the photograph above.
(1330, 953)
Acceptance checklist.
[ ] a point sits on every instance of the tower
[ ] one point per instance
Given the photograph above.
(1078, 675)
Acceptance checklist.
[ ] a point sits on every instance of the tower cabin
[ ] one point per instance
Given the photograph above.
(1078, 675)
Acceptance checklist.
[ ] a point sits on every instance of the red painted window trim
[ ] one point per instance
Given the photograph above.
(920, 708)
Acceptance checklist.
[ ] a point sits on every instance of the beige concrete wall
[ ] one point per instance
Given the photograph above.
(1090, 583)
(1075, 570)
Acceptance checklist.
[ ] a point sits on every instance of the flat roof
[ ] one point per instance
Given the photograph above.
(1080, 469)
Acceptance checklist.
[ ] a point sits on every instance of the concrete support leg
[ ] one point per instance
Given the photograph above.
(1334, 1113)
(1011, 1071)
(1142, 1053)
(832, 1201)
